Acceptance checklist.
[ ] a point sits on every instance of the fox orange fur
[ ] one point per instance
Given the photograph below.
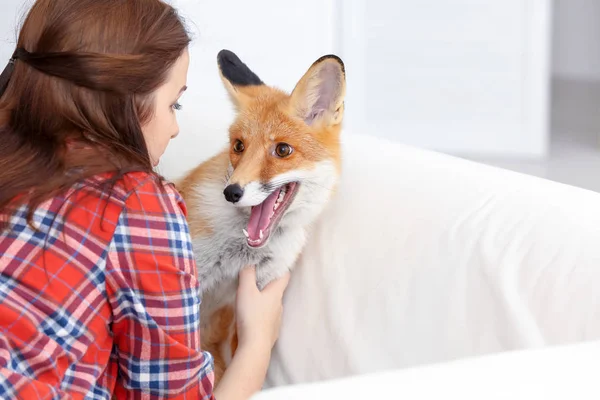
(252, 203)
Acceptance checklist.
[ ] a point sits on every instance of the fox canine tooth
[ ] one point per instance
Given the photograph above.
(260, 234)
(245, 233)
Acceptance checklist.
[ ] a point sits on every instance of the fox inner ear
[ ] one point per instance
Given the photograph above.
(238, 79)
(318, 98)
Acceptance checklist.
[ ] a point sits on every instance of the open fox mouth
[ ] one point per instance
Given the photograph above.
(265, 216)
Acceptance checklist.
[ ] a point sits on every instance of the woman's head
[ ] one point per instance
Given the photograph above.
(94, 89)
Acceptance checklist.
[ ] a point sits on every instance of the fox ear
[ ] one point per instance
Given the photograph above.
(238, 79)
(318, 98)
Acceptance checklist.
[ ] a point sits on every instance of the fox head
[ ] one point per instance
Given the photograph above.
(284, 149)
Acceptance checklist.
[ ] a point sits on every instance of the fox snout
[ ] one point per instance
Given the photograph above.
(233, 193)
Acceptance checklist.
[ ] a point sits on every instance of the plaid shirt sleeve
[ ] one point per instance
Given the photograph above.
(154, 294)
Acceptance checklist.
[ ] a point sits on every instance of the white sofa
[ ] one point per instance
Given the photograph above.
(422, 260)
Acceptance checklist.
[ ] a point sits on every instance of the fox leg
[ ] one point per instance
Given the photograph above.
(217, 339)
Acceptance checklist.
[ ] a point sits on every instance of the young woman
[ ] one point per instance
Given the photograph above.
(98, 288)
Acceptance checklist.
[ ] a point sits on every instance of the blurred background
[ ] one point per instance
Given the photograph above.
(511, 83)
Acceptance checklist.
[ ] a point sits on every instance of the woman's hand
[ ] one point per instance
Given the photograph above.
(258, 312)
(258, 315)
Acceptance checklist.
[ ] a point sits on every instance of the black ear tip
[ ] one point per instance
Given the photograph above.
(227, 56)
(234, 70)
(332, 57)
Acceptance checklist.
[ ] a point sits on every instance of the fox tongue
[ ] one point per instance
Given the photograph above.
(260, 216)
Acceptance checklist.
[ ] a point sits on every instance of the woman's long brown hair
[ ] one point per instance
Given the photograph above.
(79, 93)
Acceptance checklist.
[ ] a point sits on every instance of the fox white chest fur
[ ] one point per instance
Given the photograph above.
(253, 203)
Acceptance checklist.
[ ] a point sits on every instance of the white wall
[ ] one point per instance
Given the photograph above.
(11, 12)
(458, 76)
(576, 39)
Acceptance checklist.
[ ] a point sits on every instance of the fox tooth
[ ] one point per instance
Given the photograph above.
(245, 233)
(260, 234)
(276, 206)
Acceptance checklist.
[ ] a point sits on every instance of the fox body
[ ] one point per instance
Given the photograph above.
(252, 203)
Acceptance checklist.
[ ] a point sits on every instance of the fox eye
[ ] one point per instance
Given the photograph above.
(238, 146)
(283, 150)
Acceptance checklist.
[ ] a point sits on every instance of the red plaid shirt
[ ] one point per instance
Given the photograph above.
(102, 300)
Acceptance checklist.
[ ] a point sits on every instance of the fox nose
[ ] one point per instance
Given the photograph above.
(233, 193)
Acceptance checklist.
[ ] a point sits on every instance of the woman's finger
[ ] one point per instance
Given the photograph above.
(278, 285)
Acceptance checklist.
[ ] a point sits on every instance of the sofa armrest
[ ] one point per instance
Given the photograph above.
(564, 372)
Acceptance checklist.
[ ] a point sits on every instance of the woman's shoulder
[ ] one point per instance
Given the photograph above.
(141, 191)
(150, 192)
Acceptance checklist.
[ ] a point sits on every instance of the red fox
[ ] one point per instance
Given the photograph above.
(252, 203)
